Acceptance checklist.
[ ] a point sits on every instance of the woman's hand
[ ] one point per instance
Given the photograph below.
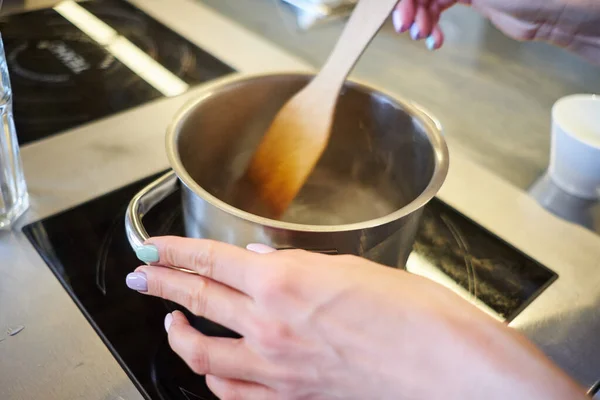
(573, 24)
(336, 327)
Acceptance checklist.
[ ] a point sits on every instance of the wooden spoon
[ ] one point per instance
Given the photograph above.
(300, 132)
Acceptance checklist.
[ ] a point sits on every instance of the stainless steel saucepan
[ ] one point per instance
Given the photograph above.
(386, 159)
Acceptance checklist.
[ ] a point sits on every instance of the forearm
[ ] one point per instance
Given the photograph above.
(576, 27)
(518, 370)
(571, 24)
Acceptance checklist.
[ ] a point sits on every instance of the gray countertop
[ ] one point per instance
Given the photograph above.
(492, 94)
(59, 356)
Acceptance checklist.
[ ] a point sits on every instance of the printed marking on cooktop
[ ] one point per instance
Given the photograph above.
(76, 63)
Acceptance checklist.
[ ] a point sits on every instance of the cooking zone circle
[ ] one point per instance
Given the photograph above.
(62, 77)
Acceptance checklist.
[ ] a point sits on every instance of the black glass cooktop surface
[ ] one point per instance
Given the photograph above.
(88, 251)
(79, 62)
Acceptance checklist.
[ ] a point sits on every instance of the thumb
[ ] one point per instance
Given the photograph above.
(513, 27)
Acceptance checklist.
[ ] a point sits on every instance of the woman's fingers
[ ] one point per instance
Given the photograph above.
(218, 261)
(234, 389)
(202, 296)
(513, 27)
(436, 39)
(421, 18)
(423, 24)
(404, 15)
(205, 355)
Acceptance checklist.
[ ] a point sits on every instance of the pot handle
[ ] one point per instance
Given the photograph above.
(143, 202)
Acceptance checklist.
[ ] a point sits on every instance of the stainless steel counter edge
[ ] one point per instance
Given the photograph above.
(58, 355)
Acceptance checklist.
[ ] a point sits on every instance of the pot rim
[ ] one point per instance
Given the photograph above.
(433, 130)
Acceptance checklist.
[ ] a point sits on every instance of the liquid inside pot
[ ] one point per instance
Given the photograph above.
(327, 198)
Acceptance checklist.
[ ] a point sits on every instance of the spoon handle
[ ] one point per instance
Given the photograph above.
(366, 20)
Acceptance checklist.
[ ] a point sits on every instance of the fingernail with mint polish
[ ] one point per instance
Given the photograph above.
(397, 21)
(430, 43)
(137, 281)
(168, 321)
(415, 32)
(147, 253)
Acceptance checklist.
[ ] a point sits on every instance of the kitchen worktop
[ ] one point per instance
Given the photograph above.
(492, 94)
(59, 356)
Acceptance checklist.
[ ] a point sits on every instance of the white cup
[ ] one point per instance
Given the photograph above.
(575, 154)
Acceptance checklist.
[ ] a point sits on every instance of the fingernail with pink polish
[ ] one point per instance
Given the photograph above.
(260, 248)
(415, 32)
(137, 281)
(168, 321)
(397, 17)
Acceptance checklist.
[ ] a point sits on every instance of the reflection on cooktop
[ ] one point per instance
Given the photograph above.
(488, 269)
(79, 62)
(88, 251)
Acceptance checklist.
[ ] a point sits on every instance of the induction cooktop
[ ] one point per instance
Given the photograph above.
(82, 61)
